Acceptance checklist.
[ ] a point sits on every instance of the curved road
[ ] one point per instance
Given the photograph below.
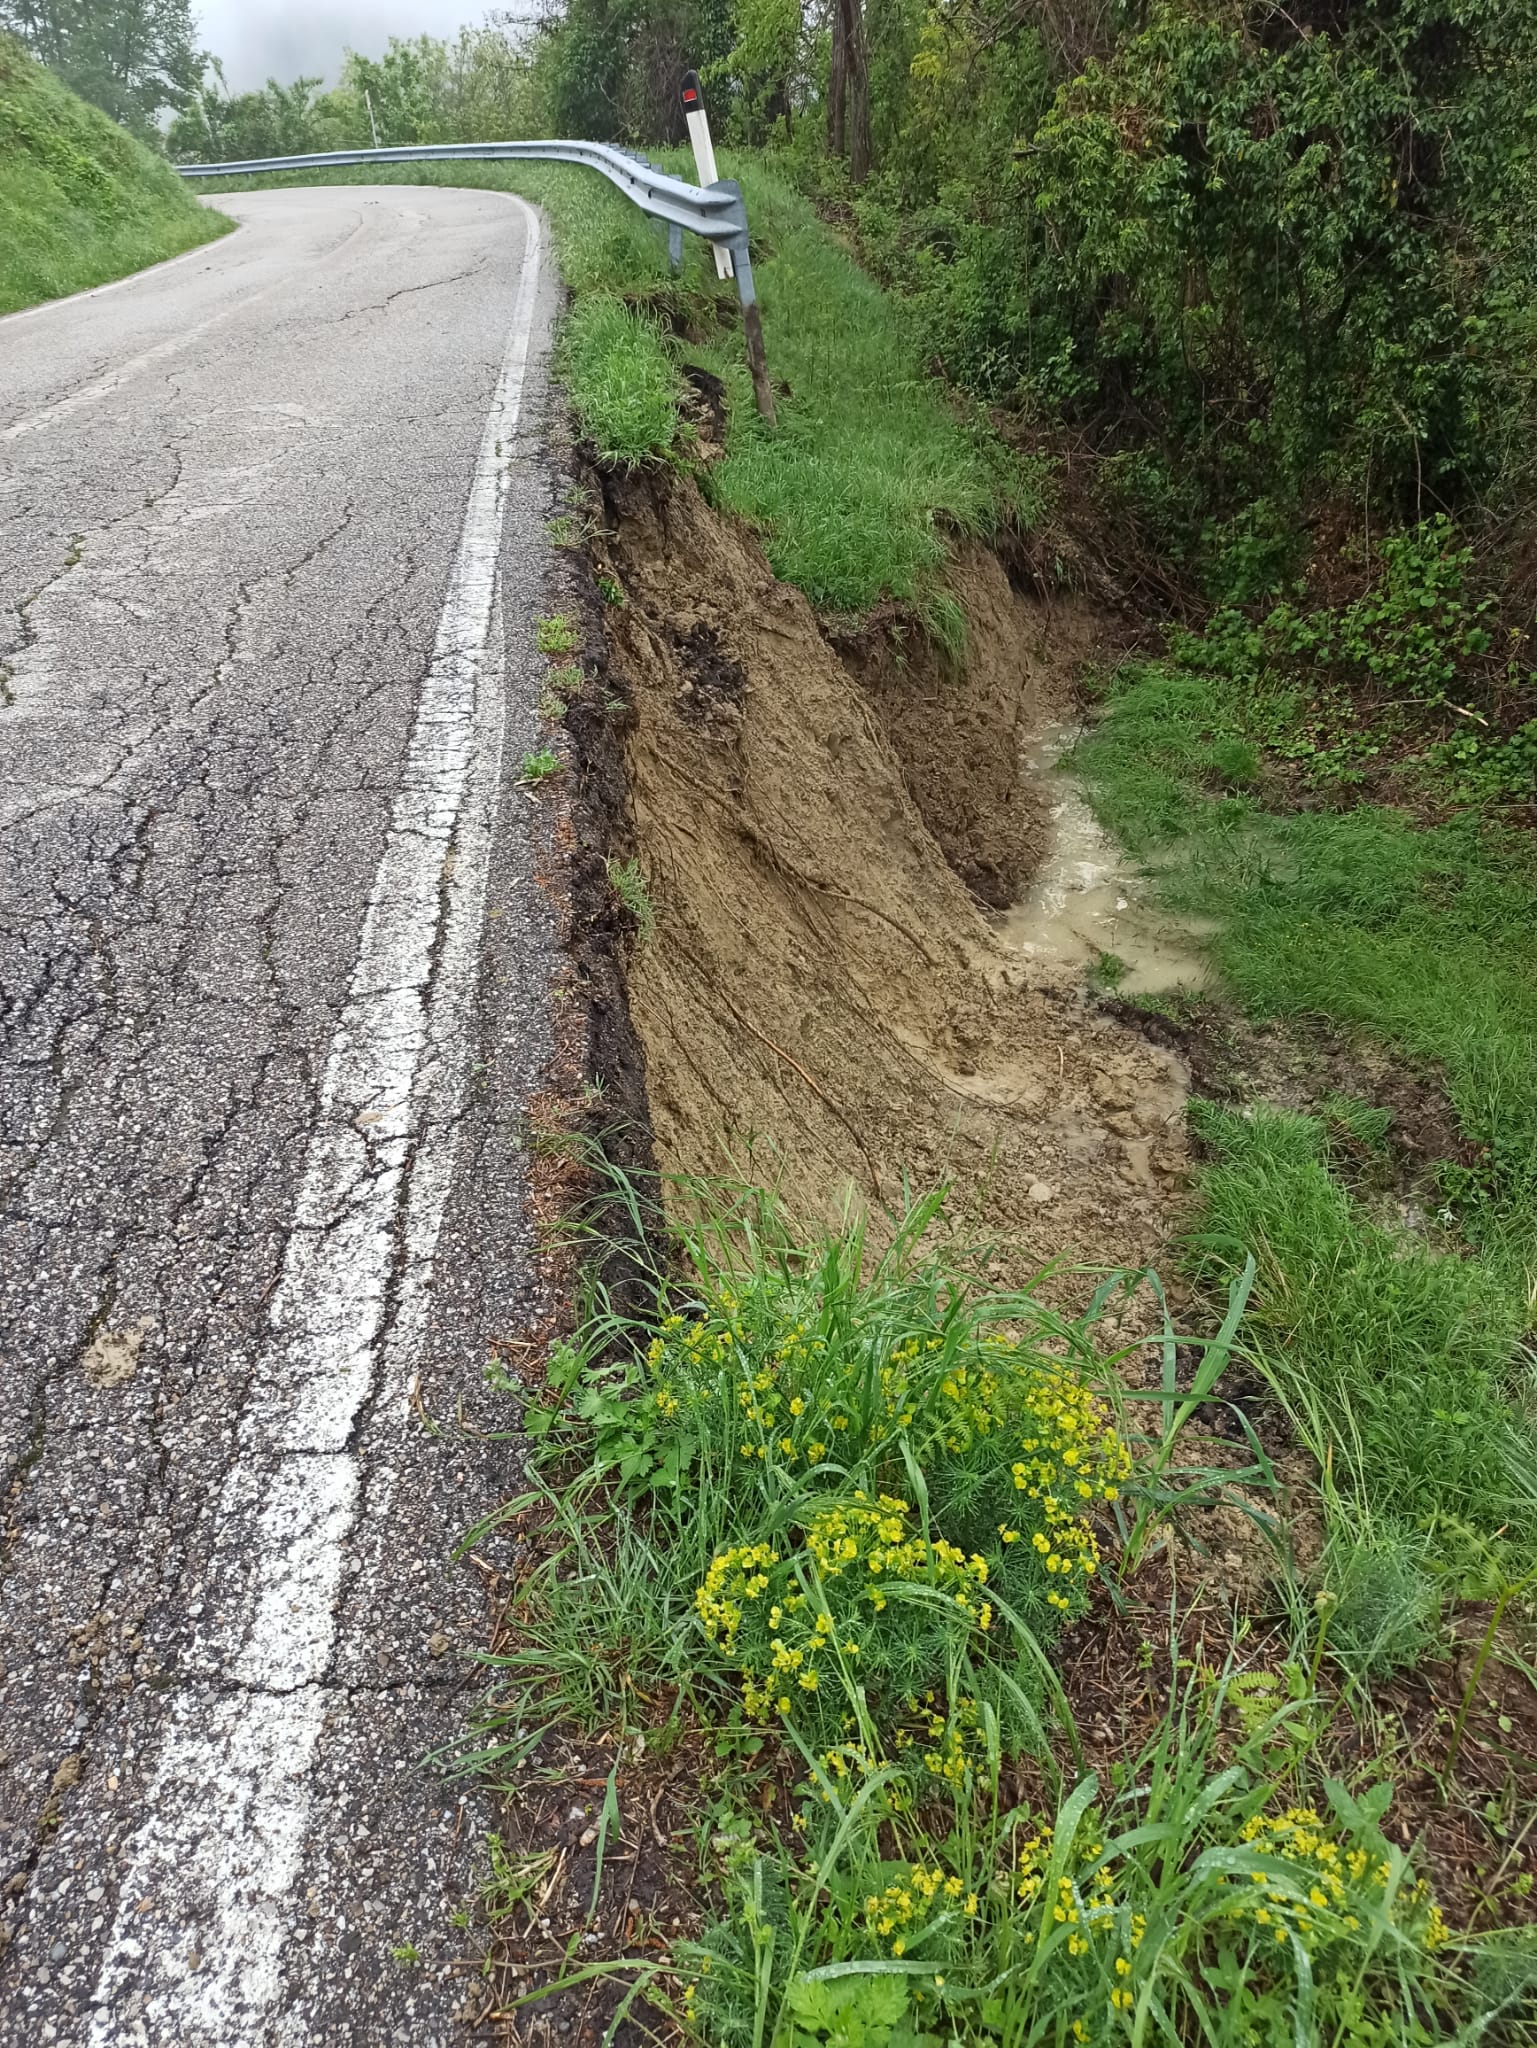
(273, 975)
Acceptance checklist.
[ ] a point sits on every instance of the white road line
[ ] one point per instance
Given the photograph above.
(201, 1964)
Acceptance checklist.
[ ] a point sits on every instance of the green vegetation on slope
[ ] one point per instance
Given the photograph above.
(81, 202)
(1258, 259)
(870, 462)
(1396, 1348)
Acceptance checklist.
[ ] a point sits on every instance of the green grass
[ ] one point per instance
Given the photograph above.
(81, 202)
(1398, 1349)
(617, 361)
(628, 881)
(885, 1876)
(870, 465)
(1397, 1355)
(868, 455)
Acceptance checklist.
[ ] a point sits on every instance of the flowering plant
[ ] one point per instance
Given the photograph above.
(832, 1629)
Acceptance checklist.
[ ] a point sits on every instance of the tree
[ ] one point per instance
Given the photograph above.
(131, 58)
(280, 120)
(484, 87)
(771, 65)
(411, 88)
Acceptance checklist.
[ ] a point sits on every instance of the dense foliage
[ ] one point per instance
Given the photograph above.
(131, 58)
(1264, 257)
(1287, 246)
(1272, 273)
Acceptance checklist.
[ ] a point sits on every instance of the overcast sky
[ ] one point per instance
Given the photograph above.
(283, 38)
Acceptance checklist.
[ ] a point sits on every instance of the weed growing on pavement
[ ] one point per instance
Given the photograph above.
(557, 635)
(575, 528)
(539, 767)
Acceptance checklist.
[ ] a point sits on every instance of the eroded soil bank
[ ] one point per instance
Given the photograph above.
(824, 1003)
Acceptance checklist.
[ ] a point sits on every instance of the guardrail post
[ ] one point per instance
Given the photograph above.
(752, 328)
(675, 248)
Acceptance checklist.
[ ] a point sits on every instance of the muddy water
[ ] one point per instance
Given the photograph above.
(1088, 897)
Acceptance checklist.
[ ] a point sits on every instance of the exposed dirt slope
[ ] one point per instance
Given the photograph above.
(823, 1001)
(956, 724)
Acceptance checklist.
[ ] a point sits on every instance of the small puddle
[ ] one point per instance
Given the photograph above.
(1088, 898)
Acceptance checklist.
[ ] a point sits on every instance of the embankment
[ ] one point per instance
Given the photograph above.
(824, 1004)
(81, 202)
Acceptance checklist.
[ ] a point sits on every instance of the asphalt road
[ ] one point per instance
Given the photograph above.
(273, 989)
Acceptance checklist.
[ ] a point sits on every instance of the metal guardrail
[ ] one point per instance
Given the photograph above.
(715, 212)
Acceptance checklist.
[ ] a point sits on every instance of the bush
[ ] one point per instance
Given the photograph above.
(879, 1486)
(1265, 256)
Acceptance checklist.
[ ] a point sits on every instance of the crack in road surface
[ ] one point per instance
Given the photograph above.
(252, 816)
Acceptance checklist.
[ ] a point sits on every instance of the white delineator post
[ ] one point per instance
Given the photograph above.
(735, 261)
(704, 152)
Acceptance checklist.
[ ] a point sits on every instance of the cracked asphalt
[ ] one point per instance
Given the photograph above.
(274, 976)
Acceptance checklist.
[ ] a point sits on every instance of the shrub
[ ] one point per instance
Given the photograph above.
(1423, 632)
(1286, 244)
(878, 1482)
(1264, 256)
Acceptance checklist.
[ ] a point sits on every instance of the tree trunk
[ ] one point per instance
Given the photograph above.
(837, 83)
(858, 66)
